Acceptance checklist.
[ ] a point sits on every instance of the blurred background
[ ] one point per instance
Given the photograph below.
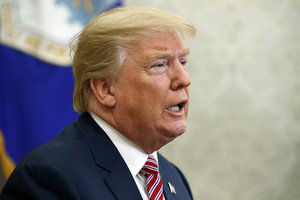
(243, 137)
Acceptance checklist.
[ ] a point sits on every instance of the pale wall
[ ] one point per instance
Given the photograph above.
(243, 140)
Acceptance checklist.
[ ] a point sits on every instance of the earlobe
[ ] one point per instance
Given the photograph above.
(103, 91)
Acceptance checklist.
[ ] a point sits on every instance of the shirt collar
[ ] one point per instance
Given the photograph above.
(133, 155)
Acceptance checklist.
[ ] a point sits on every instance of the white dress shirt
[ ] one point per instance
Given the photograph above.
(134, 156)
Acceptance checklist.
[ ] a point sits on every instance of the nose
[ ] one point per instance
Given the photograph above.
(180, 78)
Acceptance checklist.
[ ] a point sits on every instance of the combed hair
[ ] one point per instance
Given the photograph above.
(100, 48)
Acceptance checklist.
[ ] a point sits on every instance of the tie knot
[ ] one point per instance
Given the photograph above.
(150, 166)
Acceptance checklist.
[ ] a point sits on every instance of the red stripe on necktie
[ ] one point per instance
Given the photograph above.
(154, 183)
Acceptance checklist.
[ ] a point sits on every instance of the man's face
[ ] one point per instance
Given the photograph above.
(152, 92)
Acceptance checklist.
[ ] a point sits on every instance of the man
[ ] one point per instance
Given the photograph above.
(131, 86)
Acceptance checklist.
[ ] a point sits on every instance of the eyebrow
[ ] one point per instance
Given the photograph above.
(166, 54)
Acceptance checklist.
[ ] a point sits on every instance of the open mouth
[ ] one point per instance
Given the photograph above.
(177, 107)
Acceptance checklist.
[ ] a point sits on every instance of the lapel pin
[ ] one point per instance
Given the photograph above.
(172, 188)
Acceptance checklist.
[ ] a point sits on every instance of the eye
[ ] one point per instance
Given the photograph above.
(183, 61)
(160, 64)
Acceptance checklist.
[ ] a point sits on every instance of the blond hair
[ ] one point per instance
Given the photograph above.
(100, 48)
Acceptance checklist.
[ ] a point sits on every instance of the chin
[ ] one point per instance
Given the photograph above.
(175, 131)
(180, 131)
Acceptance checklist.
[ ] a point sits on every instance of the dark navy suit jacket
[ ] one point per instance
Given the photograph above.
(83, 163)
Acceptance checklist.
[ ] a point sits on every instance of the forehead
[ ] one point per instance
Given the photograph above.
(159, 44)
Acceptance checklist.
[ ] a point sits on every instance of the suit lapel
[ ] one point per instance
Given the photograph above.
(166, 178)
(118, 182)
(174, 185)
(107, 157)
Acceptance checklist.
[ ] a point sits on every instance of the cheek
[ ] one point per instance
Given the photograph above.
(142, 95)
(187, 110)
(144, 109)
(135, 102)
(151, 95)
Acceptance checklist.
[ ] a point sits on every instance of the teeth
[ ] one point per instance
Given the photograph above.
(173, 108)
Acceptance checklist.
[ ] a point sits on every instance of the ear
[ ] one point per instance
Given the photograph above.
(103, 91)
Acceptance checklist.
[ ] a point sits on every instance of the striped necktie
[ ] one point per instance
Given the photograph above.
(154, 183)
